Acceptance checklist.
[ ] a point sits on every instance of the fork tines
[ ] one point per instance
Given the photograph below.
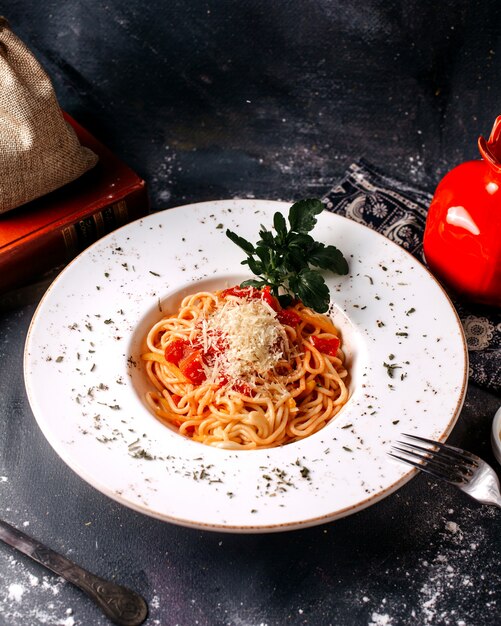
(442, 461)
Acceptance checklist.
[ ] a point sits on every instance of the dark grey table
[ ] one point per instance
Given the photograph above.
(210, 100)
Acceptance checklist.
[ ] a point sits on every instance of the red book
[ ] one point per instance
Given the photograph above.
(51, 230)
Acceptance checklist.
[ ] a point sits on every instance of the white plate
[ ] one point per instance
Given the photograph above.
(85, 381)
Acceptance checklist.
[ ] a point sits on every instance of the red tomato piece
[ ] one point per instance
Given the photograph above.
(243, 388)
(239, 292)
(191, 365)
(266, 296)
(175, 350)
(250, 293)
(288, 316)
(326, 346)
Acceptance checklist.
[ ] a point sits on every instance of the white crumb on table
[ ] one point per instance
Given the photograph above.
(29, 599)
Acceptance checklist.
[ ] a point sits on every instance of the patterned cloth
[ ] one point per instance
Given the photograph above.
(398, 211)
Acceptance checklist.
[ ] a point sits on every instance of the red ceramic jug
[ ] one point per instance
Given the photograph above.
(462, 239)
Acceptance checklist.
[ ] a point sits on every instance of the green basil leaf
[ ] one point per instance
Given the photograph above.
(285, 300)
(295, 260)
(280, 224)
(301, 241)
(329, 258)
(264, 254)
(267, 239)
(302, 215)
(241, 242)
(253, 283)
(310, 288)
(256, 267)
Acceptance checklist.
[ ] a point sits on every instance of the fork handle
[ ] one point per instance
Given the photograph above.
(484, 486)
(123, 606)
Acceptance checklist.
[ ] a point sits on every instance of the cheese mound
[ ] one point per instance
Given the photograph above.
(253, 338)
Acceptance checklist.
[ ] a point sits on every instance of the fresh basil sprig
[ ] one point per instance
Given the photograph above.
(284, 260)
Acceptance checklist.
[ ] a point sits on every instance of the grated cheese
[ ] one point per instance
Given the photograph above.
(254, 340)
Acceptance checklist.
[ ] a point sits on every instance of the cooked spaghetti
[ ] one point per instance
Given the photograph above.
(233, 369)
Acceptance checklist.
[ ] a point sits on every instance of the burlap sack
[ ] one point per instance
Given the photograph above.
(39, 151)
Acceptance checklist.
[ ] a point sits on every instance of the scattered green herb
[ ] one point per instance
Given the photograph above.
(390, 368)
(137, 452)
(284, 261)
(305, 472)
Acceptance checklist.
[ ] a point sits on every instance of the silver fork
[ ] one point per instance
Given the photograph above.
(460, 468)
